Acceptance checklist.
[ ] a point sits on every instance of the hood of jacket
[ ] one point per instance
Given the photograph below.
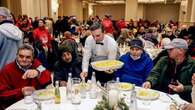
(11, 31)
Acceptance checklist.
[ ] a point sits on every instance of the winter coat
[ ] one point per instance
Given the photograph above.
(160, 79)
(10, 40)
(134, 71)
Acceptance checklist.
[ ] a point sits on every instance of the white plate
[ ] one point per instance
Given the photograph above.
(46, 94)
(105, 65)
(147, 94)
(125, 86)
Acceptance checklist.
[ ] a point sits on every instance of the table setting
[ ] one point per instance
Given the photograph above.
(146, 99)
(91, 95)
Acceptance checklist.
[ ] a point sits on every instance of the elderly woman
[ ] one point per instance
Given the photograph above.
(67, 63)
(124, 37)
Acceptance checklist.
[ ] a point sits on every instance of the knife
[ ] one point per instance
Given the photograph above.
(172, 99)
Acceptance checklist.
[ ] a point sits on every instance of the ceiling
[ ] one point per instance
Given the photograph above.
(123, 1)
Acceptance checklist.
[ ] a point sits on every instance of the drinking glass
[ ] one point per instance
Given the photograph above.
(76, 96)
(113, 93)
(28, 97)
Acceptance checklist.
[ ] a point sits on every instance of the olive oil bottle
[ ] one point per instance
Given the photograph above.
(57, 93)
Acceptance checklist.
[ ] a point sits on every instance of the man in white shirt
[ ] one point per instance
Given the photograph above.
(98, 46)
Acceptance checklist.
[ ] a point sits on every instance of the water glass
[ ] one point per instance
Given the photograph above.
(28, 97)
(113, 93)
(76, 95)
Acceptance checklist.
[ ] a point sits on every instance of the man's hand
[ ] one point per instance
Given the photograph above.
(109, 71)
(188, 107)
(193, 79)
(177, 88)
(147, 85)
(28, 90)
(83, 75)
(31, 73)
(63, 83)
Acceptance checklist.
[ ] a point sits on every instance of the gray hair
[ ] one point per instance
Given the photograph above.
(96, 26)
(26, 47)
(5, 12)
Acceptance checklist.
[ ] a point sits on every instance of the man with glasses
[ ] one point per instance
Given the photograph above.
(98, 46)
(172, 74)
(22, 75)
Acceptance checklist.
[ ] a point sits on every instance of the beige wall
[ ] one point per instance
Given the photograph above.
(70, 8)
(162, 12)
(35, 8)
(117, 11)
(131, 9)
(141, 11)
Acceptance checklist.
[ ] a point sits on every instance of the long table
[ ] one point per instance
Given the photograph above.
(162, 103)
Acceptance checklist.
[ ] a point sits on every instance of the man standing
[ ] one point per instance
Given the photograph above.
(98, 46)
(22, 75)
(10, 37)
(173, 73)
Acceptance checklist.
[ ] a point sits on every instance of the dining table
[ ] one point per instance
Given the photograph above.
(163, 102)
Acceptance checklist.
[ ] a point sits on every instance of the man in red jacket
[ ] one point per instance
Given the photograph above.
(21, 75)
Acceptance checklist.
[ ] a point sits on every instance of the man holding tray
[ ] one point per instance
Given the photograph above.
(98, 46)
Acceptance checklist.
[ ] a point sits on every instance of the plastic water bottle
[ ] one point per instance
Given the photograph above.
(69, 86)
(93, 91)
(117, 80)
(93, 78)
(133, 101)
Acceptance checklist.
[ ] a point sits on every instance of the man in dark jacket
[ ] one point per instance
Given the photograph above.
(67, 63)
(173, 73)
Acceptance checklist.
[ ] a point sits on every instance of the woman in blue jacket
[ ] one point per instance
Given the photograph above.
(137, 64)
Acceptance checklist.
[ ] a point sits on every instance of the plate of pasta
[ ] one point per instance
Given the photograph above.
(125, 86)
(45, 94)
(105, 65)
(147, 94)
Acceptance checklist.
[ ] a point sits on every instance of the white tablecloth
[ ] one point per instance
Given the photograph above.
(88, 104)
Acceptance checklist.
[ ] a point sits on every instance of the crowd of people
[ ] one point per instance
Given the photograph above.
(33, 50)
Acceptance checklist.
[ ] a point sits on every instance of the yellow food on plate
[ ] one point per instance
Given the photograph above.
(45, 94)
(125, 86)
(104, 65)
(147, 94)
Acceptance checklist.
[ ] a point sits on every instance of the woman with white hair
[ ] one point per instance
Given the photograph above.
(10, 37)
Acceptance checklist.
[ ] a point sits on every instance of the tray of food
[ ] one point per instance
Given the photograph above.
(105, 65)
(45, 94)
(125, 86)
(147, 94)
